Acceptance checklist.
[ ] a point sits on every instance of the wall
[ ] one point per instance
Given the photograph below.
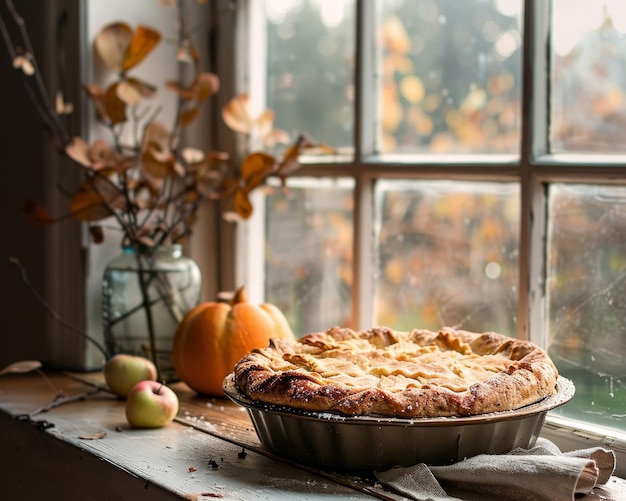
(31, 168)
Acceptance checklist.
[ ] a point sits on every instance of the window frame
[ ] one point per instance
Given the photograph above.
(534, 170)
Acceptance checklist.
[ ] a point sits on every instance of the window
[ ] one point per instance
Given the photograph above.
(469, 186)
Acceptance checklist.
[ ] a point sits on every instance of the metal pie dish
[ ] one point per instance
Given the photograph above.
(338, 442)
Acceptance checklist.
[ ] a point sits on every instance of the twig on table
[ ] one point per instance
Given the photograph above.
(59, 393)
(60, 400)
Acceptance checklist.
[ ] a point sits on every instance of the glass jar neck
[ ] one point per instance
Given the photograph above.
(173, 250)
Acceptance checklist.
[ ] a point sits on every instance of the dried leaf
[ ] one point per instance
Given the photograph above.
(191, 196)
(97, 233)
(217, 157)
(96, 94)
(320, 149)
(144, 40)
(192, 155)
(242, 203)
(146, 241)
(255, 168)
(183, 55)
(78, 150)
(157, 163)
(291, 157)
(95, 436)
(236, 114)
(88, 206)
(102, 155)
(35, 213)
(286, 167)
(61, 107)
(290, 160)
(112, 43)
(181, 91)
(225, 189)
(25, 64)
(188, 116)
(146, 230)
(207, 85)
(156, 135)
(114, 107)
(139, 88)
(127, 93)
(187, 52)
(193, 51)
(274, 137)
(265, 123)
(146, 189)
(179, 169)
(231, 216)
(204, 187)
(21, 367)
(104, 187)
(96, 200)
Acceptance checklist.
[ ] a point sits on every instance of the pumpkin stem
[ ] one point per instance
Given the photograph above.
(240, 296)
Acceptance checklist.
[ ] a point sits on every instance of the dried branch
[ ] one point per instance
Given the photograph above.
(161, 189)
(61, 400)
(33, 81)
(24, 278)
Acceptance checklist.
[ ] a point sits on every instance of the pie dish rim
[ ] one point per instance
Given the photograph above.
(563, 392)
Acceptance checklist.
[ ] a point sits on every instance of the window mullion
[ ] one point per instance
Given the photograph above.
(365, 80)
(531, 308)
(364, 113)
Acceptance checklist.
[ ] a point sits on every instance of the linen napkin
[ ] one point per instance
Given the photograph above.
(537, 474)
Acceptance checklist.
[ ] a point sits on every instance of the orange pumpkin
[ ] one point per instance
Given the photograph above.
(213, 337)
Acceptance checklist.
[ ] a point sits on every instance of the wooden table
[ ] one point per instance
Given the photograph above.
(85, 450)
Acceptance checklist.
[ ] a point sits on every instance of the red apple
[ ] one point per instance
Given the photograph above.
(150, 404)
(122, 372)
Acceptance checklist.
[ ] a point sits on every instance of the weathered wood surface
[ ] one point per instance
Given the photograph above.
(197, 457)
(179, 459)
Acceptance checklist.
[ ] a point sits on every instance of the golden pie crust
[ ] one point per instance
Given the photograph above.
(416, 374)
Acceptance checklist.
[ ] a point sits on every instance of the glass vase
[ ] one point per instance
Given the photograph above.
(145, 294)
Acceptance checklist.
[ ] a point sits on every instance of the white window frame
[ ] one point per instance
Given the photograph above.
(533, 170)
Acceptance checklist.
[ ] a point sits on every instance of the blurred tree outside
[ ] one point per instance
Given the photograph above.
(449, 76)
(310, 68)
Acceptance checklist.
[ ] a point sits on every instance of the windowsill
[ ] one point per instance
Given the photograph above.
(569, 434)
(91, 453)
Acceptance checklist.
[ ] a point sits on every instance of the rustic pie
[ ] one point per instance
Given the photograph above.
(416, 374)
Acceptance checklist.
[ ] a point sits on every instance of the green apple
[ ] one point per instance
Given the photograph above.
(150, 404)
(122, 372)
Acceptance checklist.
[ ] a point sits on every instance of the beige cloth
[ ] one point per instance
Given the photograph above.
(537, 474)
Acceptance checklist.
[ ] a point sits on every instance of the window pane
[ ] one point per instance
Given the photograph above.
(310, 63)
(588, 79)
(309, 253)
(587, 291)
(449, 76)
(448, 255)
